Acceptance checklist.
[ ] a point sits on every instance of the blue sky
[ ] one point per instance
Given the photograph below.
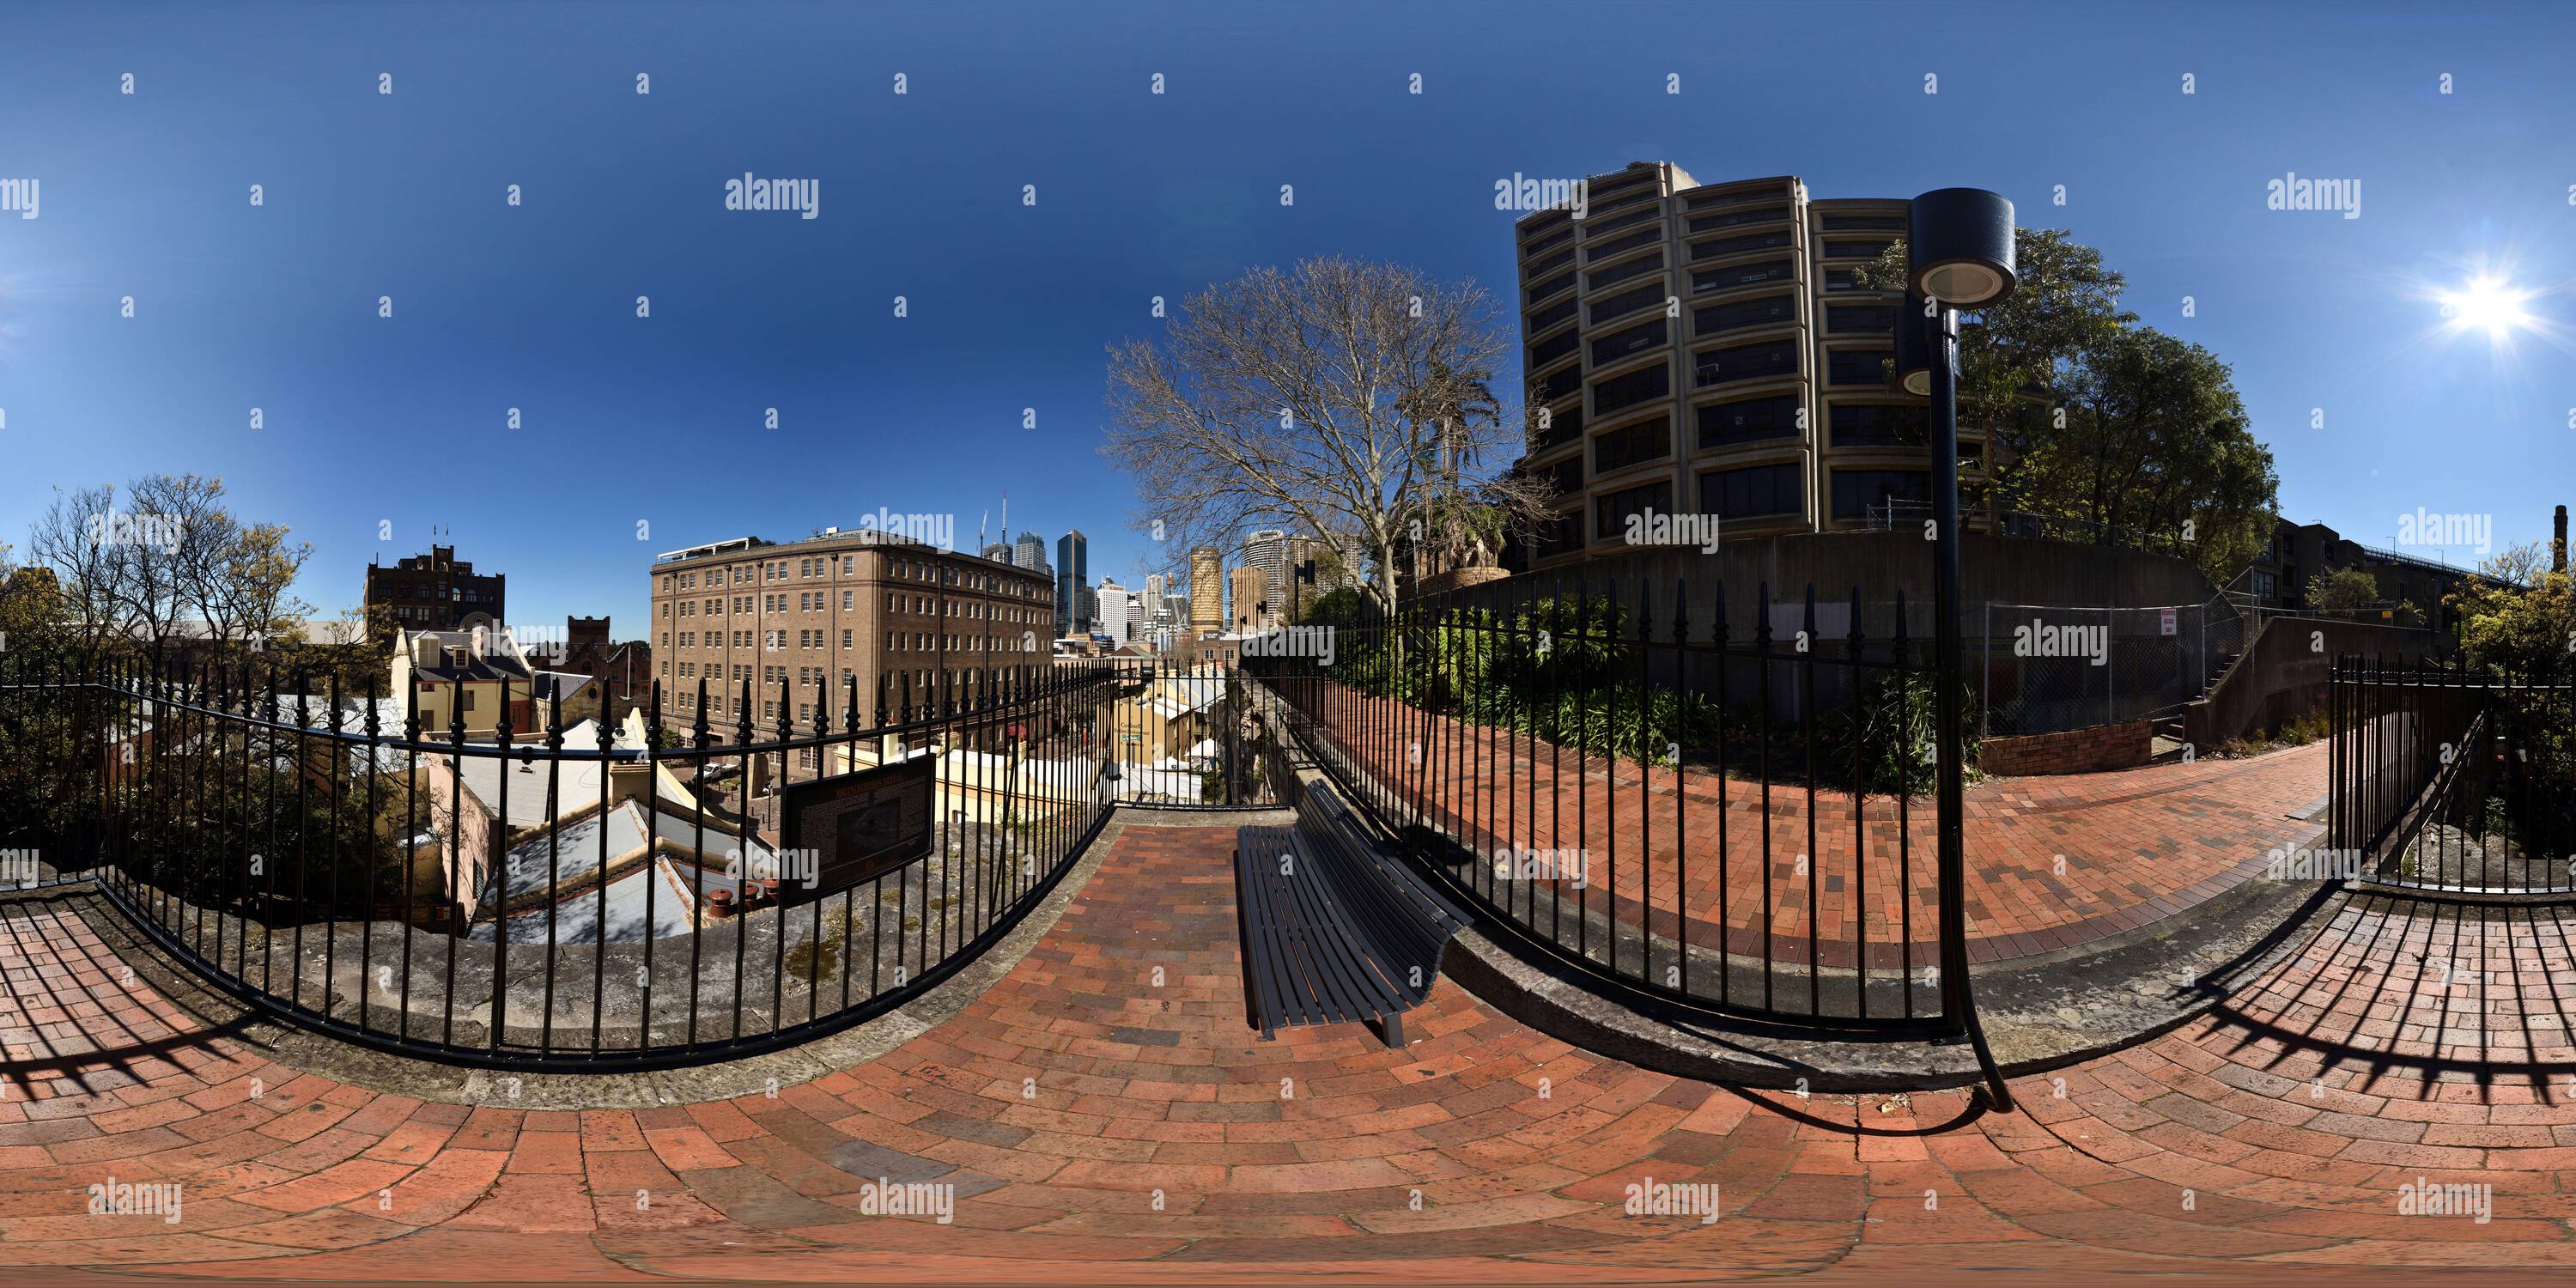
(401, 420)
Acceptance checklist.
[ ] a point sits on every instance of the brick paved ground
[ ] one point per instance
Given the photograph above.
(2053, 862)
(1104, 1114)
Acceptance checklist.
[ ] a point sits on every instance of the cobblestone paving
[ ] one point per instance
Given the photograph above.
(1104, 1114)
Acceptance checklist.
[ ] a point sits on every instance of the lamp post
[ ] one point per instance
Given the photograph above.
(1959, 248)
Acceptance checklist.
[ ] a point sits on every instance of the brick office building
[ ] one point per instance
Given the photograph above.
(437, 592)
(804, 618)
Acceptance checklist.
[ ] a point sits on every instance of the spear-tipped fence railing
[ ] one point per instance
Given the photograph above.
(514, 887)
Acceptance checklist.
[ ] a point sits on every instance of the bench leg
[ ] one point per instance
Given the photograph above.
(1390, 1029)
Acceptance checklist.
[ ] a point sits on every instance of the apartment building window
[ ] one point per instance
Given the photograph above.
(1550, 287)
(1563, 234)
(1647, 440)
(1855, 249)
(1741, 275)
(1566, 476)
(845, 639)
(1624, 303)
(1554, 348)
(1748, 362)
(1551, 315)
(1860, 319)
(1769, 310)
(1752, 492)
(1616, 273)
(1882, 424)
(1749, 420)
(1858, 223)
(1629, 343)
(1559, 534)
(1612, 511)
(1603, 228)
(1618, 245)
(1743, 245)
(1737, 218)
(848, 597)
(1629, 390)
(1859, 492)
(1857, 367)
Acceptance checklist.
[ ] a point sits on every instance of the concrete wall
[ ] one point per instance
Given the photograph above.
(2285, 672)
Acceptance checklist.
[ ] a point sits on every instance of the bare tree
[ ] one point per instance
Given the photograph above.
(64, 540)
(1333, 397)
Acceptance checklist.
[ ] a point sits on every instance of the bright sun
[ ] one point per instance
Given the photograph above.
(2486, 302)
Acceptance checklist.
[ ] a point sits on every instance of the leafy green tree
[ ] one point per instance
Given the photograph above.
(2342, 590)
(2095, 419)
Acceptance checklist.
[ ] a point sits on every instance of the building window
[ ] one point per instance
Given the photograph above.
(1860, 319)
(1613, 510)
(1770, 310)
(1858, 494)
(1638, 267)
(1752, 492)
(1748, 362)
(1629, 390)
(1882, 425)
(1857, 367)
(1748, 420)
(1629, 343)
(1648, 440)
(1743, 245)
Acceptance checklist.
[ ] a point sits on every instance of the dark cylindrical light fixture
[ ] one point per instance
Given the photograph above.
(1959, 246)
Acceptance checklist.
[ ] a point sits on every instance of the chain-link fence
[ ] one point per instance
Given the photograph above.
(2044, 668)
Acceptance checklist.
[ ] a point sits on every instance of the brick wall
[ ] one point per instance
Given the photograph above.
(2075, 751)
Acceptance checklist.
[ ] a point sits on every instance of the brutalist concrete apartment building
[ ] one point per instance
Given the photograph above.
(814, 614)
(1704, 349)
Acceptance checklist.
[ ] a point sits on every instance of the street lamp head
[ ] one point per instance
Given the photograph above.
(1914, 345)
(1959, 244)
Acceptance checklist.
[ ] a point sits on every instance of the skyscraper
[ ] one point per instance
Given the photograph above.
(1251, 612)
(1030, 553)
(1072, 573)
(1768, 406)
(1267, 550)
(1207, 591)
(1154, 588)
(1113, 610)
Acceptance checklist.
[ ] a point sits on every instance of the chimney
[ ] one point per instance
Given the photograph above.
(2558, 548)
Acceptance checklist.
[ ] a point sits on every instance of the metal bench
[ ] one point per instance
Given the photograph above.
(1333, 927)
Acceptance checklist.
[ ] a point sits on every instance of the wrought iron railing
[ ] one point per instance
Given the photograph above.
(568, 895)
(1687, 800)
(2451, 779)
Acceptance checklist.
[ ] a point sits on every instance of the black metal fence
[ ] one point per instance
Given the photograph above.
(1722, 805)
(556, 893)
(2451, 779)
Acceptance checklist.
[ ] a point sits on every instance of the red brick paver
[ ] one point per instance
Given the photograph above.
(1104, 1113)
